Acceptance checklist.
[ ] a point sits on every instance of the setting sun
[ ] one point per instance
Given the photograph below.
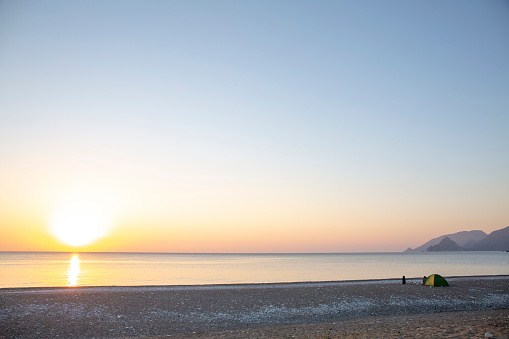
(80, 223)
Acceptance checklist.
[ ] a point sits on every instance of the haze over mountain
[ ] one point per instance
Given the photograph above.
(464, 239)
(446, 245)
(495, 241)
(469, 241)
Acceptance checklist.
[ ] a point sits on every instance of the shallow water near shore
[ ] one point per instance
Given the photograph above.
(45, 269)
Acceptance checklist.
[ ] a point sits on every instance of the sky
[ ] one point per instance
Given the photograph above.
(251, 126)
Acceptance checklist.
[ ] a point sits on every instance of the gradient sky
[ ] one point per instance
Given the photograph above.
(254, 126)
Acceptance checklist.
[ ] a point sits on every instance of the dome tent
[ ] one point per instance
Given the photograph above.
(436, 280)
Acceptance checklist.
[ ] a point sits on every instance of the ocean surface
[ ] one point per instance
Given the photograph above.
(45, 269)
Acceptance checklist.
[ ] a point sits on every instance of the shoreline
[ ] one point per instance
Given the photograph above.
(409, 281)
(312, 309)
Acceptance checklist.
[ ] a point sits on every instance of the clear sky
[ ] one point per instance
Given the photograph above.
(251, 126)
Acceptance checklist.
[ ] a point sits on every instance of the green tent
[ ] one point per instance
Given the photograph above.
(436, 280)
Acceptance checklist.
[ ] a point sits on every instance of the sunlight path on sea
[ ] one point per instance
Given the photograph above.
(73, 271)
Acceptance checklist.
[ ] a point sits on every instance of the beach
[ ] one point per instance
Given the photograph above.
(470, 307)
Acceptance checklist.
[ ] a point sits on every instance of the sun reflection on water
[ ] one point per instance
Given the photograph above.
(73, 271)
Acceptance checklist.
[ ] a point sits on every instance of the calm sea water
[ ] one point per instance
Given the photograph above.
(36, 269)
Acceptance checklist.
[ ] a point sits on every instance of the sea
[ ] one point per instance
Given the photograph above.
(58, 269)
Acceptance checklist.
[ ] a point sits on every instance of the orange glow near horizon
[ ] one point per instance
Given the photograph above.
(97, 220)
(204, 235)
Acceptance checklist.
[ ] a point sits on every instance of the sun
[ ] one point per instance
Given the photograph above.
(80, 222)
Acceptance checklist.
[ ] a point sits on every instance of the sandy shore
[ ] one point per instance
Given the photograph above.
(471, 307)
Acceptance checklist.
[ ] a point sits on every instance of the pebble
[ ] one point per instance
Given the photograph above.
(265, 305)
(488, 335)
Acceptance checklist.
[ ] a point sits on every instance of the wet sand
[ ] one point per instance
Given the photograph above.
(470, 307)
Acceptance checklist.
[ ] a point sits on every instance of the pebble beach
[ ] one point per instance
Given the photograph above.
(471, 307)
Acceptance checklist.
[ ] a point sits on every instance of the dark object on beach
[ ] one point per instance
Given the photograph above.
(436, 280)
(423, 280)
(403, 280)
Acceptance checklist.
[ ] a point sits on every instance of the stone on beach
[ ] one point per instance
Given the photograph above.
(182, 310)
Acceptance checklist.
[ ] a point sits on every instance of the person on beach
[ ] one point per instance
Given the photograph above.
(423, 280)
(403, 280)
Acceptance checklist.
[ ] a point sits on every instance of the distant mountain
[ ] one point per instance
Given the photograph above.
(495, 241)
(445, 245)
(465, 239)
